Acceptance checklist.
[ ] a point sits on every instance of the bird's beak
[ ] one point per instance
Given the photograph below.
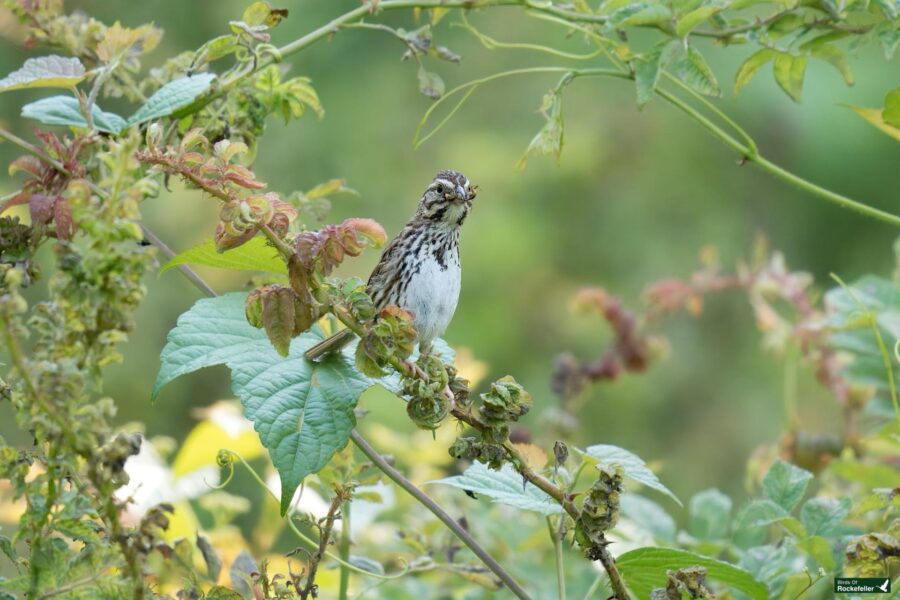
(461, 193)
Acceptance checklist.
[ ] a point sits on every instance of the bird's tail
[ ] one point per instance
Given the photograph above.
(329, 345)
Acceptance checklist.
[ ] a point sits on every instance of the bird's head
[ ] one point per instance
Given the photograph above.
(447, 199)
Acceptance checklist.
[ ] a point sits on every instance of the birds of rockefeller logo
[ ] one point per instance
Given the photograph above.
(862, 585)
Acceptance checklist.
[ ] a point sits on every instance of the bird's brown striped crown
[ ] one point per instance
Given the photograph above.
(448, 198)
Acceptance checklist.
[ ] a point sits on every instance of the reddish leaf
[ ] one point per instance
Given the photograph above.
(278, 316)
(62, 217)
(29, 164)
(20, 198)
(41, 208)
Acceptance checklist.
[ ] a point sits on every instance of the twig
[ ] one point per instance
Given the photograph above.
(440, 513)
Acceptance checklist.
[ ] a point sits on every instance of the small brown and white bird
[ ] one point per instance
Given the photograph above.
(419, 270)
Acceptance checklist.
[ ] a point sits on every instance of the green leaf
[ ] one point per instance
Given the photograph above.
(850, 313)
(822, 516)
(641, 13)
(833, 56)
(759, 513)
(171, 97)
(303, 411)
(504, 486)
(689, 21)
(692, 69)
(76, 529)
(255, 255)
(820, 549)
(220, 592)
(890, 8)
(6, 546)
(645, 568)
(871, 476)
(749, 67)
(789, 72)
(45, 71)
(430, 84)
(65, 110)
(366, 564)
(210, 557)
(632, 466)
(648, 68)
(785, 484)
(891, 112)
(648, 515)
(709, 514)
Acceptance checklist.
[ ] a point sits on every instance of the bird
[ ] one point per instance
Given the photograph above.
(420, 271)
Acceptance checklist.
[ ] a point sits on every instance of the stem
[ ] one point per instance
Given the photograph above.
(344, 551)
(440, 513)
(558, 554)
(615, 579)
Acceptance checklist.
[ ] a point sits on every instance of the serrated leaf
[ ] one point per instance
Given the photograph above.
(171, 97)
(76, 529)
(45, 71)
(632, 466)
(504, 486)
(874, 116)
(649, 515)
(833, 56)
(65, 110)
(648, 68)
(255, 255)
(692, 69)
(789, 73)
(785, 484)
(853, 334)
(303, 411)
(759, 513)
(822, 516)
(709, 515)
(645, 569)
(891, 112)
(749, 67)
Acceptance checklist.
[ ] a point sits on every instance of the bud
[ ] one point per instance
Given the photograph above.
(560, 452)
(427, 412)
(600, 510)
(154, 135)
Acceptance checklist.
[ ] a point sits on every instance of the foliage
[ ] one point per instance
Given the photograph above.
(821, 505)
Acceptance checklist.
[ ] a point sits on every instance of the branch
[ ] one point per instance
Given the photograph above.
(440, 513)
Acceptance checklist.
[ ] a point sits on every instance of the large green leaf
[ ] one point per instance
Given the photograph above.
(45, 71)
(648, 515)
(65, 110)
(749, 67)
(255, 255)
(648, 68)
(789, 72)
(632, 466)
(822, 516)
(172, 96)
(645, 568)
(504, 486)
(785, 484)
(303, 411)
(850, 311)
(709, 515)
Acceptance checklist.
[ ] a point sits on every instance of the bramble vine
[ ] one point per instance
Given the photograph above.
(82, 191)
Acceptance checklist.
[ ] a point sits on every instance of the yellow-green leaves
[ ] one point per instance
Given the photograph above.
(288, 98)
(549, 140)
(262, 13)
(789, 72)
(255, 255)
(648, 67)
(45, 71)
(751, 66)
(687, 22)
(641, 13)
(835, 57)
(875, 117)
(120, 40)
(692, 69)
(891, 112)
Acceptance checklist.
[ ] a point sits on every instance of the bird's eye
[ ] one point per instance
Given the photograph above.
(440, 189)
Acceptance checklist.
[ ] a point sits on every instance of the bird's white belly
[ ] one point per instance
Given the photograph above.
(431, 296)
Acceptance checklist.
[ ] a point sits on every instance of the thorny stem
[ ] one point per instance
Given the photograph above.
(440, 513)
(340, 495)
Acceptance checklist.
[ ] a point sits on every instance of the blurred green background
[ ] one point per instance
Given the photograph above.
(635, 196)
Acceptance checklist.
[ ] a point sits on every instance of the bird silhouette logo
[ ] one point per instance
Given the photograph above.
(884, 586)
